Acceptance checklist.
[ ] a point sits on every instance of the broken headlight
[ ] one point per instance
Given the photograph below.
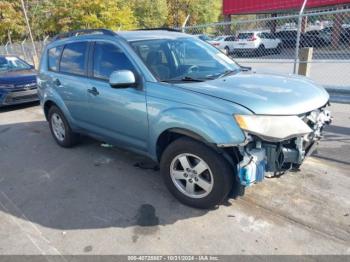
(273, 128)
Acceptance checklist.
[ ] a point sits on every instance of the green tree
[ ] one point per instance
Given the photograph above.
(199, 11)
(49, 17)
(150, 13)
(11, 20)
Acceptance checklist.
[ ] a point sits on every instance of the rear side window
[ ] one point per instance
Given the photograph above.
(73, 59)
(245, 35)
(109, 58)
(54, 58)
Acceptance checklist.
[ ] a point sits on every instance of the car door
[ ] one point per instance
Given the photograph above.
(117, 114)
(229, 42)
(70, 82)
(274, 40)
(265, 40)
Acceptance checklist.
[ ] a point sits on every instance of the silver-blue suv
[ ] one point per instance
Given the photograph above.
(213, 126)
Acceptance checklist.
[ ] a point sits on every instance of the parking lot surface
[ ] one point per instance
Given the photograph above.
(329, 69)
(93, 200)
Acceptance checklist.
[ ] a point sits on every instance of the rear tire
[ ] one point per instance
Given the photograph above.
(60, 129)
(195, 174)
(227, 50)
(261, 51)
(278, 49)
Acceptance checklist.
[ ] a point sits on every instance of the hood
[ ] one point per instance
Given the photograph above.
(265, 93)
(17, 79)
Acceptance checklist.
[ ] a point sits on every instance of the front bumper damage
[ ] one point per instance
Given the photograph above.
(259, 158)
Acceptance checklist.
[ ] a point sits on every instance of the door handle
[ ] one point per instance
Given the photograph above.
(57, 82)
(93, 91)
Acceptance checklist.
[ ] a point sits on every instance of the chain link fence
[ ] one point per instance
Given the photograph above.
(276, 44)
(23, 49)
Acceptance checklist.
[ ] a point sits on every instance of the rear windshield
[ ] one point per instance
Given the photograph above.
(245, 35)
(219, 38)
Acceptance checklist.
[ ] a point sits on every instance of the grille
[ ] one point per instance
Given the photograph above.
(21, 96)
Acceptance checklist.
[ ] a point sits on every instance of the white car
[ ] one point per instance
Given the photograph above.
(257, 42)
(224, 43)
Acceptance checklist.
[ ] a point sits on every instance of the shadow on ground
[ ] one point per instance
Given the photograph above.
(335, 145)
(88, 186)
(5, 109)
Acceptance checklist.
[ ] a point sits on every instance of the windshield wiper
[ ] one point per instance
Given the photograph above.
(225, 73)
(184, 79)
(191, 79)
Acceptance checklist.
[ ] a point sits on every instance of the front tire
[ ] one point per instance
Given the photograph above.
(195, 174)
(278, 49)
(60, 129)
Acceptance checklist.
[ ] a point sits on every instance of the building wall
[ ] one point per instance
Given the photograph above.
(231, 7)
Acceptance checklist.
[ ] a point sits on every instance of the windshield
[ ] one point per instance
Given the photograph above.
(9, 63)
(204, 37)
(183, 59)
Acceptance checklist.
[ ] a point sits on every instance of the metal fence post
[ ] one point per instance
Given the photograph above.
(300, 17)
(45, 40)
(23, 49)
(6, 49)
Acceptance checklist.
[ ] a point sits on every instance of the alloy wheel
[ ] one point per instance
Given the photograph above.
(58, 127)
(191, 175)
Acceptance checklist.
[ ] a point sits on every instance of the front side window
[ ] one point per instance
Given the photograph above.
(183, 59)
(108, 58)
(73, 59)
(54, 58)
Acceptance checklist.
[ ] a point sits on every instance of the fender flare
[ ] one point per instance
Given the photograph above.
(55, 99)
(210, 127)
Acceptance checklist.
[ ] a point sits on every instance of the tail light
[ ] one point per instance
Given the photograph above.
(253, 38)
(216, 44)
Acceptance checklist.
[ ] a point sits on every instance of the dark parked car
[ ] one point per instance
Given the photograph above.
(320, 38)
(288, 37)
(345, 36)
(326, 35)
(310, 39)
(17, 81)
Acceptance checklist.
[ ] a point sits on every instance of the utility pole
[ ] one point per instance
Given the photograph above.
(29, 29)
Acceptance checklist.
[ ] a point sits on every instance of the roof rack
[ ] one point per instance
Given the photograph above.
(83, 32)
(159, 28)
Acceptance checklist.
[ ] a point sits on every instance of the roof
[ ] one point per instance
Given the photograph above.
(254, 31)
(150, 34)
(88, 34)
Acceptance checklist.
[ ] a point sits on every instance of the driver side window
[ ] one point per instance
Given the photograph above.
(108, 58)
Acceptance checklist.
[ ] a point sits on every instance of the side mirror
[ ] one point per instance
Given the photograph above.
(122, 78)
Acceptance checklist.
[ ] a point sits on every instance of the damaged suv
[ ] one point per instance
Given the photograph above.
(211, 124)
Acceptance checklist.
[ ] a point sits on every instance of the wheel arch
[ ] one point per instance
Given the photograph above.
(47, 105)
(52, 101)
(171, 134)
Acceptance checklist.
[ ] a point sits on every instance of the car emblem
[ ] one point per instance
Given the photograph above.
(28, 86)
